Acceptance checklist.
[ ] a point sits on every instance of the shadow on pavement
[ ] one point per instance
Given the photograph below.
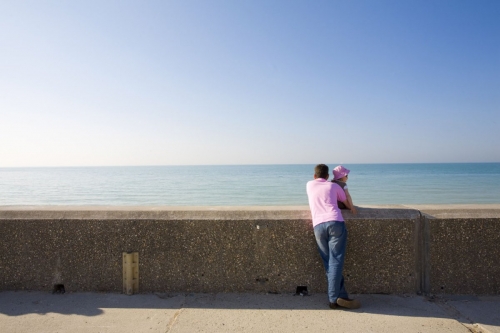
(93, 304)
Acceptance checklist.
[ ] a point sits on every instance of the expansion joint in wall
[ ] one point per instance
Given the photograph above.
(422, 248)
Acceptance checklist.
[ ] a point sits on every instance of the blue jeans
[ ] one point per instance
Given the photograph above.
(331, 238)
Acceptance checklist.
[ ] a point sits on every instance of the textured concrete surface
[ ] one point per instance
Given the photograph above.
(472, 264)
(22, 312)
(464, 248)
(391, 249)
(461, 211)
(231, 250)
(180, 213)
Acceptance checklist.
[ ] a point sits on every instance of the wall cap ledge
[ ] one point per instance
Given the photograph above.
(378, 212)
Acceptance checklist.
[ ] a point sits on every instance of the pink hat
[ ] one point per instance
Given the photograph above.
(340, 172)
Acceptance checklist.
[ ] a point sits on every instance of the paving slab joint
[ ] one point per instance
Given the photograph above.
(476, 328)
(173, 321)
(457, 315)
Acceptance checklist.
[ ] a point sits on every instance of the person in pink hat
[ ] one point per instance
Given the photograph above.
(340, 175)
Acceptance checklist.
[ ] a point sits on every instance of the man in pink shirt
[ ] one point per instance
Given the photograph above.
(330, 233)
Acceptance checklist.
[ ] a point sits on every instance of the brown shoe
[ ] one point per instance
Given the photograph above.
(348, 303)
(333, 305)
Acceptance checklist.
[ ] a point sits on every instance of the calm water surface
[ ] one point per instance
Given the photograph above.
(243, 185)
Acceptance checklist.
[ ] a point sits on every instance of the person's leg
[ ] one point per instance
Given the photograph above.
(336, 288)
(343, 292)
(331, 240)
(321, 235)
(337, 242)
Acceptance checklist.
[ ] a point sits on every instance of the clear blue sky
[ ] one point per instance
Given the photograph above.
(248, 82)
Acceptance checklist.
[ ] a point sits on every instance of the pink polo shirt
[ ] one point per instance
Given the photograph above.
(323, 196)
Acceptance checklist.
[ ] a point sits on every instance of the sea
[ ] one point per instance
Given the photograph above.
(246, 185)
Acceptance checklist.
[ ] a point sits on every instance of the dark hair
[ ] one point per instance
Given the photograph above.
(321, 171)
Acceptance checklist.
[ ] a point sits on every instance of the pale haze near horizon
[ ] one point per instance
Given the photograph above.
(91, 83)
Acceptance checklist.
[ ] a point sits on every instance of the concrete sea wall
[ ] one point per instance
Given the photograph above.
(452, 249)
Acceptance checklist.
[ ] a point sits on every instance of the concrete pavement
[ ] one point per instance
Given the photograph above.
(175, 313)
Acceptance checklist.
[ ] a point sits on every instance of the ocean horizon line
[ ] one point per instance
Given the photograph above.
(246, 164)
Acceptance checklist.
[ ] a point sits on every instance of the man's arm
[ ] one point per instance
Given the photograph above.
(349, 200)
(347, 204)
